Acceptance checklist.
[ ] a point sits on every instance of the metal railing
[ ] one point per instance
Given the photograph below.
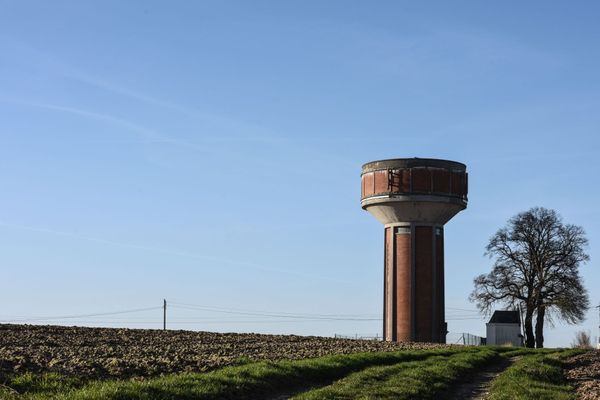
(359, 336)
(462, 338)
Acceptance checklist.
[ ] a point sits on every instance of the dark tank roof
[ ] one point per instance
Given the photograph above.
(395, 163)
(505, 317)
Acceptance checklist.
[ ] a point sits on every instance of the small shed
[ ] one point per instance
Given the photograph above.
(504, 328)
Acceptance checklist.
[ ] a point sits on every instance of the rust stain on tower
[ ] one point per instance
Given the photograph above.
(414, 198)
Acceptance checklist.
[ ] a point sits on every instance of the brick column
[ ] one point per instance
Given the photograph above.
(414, 284)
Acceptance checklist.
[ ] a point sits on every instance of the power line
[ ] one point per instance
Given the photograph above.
(332, 317)
(464, 319)
(196, 307)
(48, 318)
(274, 315)
(270, 321)
(271, 312)
(462, 309)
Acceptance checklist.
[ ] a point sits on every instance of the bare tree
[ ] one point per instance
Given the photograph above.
(536, 267)
(582, 340)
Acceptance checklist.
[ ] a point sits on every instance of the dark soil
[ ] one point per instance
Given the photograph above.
(583, 371)
(123, 353)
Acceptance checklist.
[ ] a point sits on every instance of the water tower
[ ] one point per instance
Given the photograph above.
(413, 198)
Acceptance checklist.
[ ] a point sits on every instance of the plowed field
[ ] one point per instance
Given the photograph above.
(101, 353)
(584, 372)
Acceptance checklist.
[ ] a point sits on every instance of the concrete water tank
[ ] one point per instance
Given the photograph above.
(413, 198)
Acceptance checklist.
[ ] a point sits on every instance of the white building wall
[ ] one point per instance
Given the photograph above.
(502, 334)
(490, 334)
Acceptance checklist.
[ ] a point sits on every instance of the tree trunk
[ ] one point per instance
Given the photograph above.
(539, 327)
(529, 338)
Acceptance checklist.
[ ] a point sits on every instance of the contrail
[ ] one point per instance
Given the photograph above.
(148, 135)
(143, 131)
(50, 64)
(174, 252)
(242, 126)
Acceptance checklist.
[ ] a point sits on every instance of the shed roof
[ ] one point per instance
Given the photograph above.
(505, 317)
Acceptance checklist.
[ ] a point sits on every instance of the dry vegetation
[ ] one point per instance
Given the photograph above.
(583, 371)
(123, 353)
(583, 340)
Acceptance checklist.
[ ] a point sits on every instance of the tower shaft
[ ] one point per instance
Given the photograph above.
(414, 283)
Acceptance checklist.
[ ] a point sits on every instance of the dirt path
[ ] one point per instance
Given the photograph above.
(478, 387)
(288, 394)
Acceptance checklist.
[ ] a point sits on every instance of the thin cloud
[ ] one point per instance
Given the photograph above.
(173, 252)
(147, 135)
(49, 63)
(145, 132)
(240, 126)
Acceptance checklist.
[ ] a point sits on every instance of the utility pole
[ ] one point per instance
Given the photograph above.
(164, 314)
(522, 326)
(598, 342)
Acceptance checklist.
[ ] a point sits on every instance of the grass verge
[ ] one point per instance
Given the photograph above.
(42, 384)
(424, 379)
(250, 381)
(535, 376)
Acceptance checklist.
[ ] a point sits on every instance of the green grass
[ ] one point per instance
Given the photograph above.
(508, 351)
(537, 375)
(423, 379)
(49, 383)
(249, 381)
(422, 374)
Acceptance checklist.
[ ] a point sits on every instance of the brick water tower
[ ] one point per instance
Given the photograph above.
(413, 198)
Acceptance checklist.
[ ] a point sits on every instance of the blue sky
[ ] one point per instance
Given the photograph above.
(209, 153)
